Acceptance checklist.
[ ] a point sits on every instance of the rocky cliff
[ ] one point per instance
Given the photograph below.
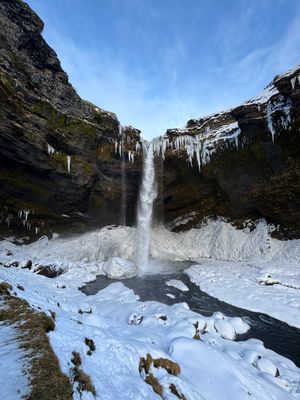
(65, 164)
(241, 164)
(59, 161)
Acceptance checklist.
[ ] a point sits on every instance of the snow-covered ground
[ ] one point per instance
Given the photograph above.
(236, 266)
(270, 287)
(124, 330)
(14, 382)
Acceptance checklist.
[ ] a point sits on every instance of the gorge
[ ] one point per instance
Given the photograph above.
(60, 161)
(133, 269)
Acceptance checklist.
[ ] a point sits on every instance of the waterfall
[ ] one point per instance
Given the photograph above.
(147, 196)
(123, 177)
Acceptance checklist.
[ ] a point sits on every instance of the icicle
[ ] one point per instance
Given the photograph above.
(237, 142)
(131, 156)
(26, 213)
(116, 147)
(69, 163)
(269, 121)
(50, 149)
(137, 147)
(120, 150)
(203, 152)
(293, 81)
(284, 106)
(197, 151)
(165, 144)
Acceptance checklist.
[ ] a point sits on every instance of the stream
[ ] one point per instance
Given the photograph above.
(276, 335)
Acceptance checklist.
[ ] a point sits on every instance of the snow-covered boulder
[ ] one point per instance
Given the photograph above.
(118, 268)
(239, 325)
(225, 329)
(266, 365)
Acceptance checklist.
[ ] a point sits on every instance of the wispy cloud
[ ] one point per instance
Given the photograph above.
(178, 78)
(103, 79)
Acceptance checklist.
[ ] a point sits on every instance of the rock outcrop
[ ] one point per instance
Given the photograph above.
(248, 159)
(59, 169)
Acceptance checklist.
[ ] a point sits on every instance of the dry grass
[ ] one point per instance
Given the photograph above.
(5, 288)
(154, 382)
(176, 393)
(46, 378)
(170, 366)
(76, 359)
(83, 380)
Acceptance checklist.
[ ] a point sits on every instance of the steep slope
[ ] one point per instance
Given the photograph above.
(248, 159)
(58, 169)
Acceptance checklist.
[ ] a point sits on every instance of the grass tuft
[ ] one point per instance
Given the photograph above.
(46, 378)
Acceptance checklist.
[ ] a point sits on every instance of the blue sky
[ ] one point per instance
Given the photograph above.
(158, 63)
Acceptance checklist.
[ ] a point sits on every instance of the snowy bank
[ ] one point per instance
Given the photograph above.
(236, 370)
(247, 268)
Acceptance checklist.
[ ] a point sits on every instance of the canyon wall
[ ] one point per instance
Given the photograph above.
(64, 166)
(58, 166)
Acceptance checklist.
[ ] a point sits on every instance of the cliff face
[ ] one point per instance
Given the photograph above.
(58, 164)
(65, 164)
(248, 159)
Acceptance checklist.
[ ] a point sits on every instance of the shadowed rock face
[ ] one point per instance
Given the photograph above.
(259, 179)
(57, 151)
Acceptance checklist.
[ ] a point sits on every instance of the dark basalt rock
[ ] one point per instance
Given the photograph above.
(41, 112)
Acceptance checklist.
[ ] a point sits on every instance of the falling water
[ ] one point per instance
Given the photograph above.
(123, 177)
(148, 194)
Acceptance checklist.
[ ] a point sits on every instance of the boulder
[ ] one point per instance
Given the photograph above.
(118, 268)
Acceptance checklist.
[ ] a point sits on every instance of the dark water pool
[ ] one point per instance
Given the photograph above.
(276, 335)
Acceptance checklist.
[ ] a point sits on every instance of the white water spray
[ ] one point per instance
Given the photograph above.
(148, 194)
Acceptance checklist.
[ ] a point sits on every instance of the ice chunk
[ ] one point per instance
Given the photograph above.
(177, 284)
(170, 295)
(118, 268)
